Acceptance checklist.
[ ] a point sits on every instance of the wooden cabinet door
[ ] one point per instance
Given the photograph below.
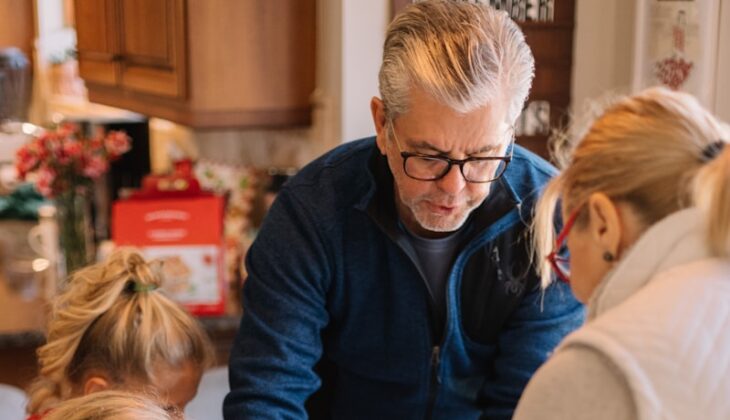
(16, 29)
(153, 46)
(97, 42)
(202, 63)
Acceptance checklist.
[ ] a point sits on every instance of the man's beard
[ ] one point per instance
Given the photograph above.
(435, 222)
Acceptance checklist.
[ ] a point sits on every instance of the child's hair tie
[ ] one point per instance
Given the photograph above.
(143, 288)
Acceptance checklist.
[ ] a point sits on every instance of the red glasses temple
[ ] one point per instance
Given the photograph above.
(553, 257)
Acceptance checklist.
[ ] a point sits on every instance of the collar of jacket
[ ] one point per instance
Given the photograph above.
(673, 241)
(379, 202)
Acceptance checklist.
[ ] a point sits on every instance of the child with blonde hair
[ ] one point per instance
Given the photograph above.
(111, 328)
(111, 405)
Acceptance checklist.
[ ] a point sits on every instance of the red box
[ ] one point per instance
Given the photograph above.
(187, 234)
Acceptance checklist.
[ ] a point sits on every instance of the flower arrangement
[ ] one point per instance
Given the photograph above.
(61, 159)
(63, 165)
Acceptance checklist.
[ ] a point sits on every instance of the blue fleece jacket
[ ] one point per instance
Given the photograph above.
(338, 322)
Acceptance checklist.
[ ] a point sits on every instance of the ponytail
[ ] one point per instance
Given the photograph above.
(110, 317)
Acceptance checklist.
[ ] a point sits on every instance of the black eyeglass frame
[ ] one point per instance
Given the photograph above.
(451, 162)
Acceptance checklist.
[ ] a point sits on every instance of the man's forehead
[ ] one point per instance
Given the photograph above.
(486, 141)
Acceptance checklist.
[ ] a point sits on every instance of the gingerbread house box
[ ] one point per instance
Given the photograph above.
(186, 235)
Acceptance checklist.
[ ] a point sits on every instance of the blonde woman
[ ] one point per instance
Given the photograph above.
(112, 405)
(646, 204)
(111, 328)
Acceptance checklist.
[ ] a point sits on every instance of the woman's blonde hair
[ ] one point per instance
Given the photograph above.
(462, 53)
(659, 151)
(110, 318)
(111, 405)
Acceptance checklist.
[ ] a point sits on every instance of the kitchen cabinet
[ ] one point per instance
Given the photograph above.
(133, 44)
(16, 28)
(201, 63)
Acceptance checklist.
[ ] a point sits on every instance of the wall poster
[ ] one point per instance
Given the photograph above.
(676, 46)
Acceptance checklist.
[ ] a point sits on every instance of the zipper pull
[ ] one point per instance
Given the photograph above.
(436, 362)
(497, 264)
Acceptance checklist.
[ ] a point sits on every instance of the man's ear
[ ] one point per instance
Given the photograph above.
(605, 223)
(95, 383)
(377, 108)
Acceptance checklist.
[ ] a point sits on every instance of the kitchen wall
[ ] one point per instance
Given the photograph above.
(365, 24)
(604, 53)
(602, 50)
(55, 36)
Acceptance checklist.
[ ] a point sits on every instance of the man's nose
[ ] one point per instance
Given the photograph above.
(453, 182)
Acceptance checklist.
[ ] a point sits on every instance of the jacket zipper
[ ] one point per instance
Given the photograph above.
(435, 377)
(433, 387)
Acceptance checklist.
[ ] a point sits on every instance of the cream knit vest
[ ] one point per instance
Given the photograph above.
(663, 318)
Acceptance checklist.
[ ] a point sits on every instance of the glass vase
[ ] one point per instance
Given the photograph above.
(73, 213)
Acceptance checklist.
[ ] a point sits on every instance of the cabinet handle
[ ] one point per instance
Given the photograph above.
(117, 57)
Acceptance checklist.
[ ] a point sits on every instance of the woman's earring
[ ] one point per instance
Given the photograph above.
(608, 257)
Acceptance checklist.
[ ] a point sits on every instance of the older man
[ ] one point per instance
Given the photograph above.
(391, 278)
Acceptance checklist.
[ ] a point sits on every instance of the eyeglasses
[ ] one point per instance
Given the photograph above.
(432, 168)
(560, 264)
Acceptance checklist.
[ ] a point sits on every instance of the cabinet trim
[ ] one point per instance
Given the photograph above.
(181, 113)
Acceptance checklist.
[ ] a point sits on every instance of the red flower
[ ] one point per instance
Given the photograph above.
(95, 166)
(95, 145)
(117, 143)
(26, 161)
(71, 150)
(68, 130)
(63, 159)
(44, 183)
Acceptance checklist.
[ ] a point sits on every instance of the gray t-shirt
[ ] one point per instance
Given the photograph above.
(436, 258)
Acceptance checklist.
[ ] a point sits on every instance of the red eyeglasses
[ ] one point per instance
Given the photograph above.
(559, 264)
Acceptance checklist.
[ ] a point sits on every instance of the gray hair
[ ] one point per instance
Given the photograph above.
(464, 54)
